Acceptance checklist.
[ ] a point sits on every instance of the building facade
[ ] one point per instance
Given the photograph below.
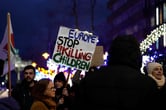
(145, 19)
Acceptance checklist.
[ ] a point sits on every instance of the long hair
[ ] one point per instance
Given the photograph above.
(39, 88)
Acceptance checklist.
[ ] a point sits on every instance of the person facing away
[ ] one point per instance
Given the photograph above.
(22, 90)
(155, 71)
(120, 85)
(44, 94)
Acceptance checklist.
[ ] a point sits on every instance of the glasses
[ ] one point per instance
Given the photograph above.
(52, 89)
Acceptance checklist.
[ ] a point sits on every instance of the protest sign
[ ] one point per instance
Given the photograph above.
(74, 48)
(98, 59)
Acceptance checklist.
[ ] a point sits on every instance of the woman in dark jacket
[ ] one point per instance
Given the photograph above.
(63, 97)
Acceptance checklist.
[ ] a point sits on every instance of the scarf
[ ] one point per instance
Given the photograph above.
(160, 83)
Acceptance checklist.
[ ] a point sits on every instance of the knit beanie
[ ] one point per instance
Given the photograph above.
(60, 77)
(151, 66)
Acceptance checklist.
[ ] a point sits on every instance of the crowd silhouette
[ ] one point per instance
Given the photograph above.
(120, 85)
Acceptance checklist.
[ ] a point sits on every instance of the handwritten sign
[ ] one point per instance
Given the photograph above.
(74, 48)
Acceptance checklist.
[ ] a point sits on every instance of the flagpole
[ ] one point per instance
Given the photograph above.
(9, 38)
(68, 75)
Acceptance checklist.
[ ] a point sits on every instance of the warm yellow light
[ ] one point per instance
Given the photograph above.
(45, 55)
(34, 64)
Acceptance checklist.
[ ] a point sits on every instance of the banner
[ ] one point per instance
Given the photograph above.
(74, 48)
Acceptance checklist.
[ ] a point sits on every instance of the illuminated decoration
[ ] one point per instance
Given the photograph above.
(164, 40)
(53, 69)
(145, 60)
(105, 58)
(42, 73)
(153, 37)
(51, 65)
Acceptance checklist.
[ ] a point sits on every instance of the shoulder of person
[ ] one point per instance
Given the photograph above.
(8, 102)
(38, 105)
(151, 83)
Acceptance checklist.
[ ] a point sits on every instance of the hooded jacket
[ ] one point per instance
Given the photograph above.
(120, 85)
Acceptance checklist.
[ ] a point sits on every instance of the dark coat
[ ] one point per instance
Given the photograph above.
(22, 93)
(116, 88)
(161, 99)
(9, 103)
(120, 85)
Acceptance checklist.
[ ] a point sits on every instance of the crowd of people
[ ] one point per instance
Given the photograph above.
(118, 86)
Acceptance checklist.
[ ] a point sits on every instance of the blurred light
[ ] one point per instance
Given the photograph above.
(45, 55)
(34, 64)
(150, 49)
(3, 83)
(105, 56)
(152, 38)
(161, 55)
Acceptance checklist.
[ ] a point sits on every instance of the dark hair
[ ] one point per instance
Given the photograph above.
(124, 50)
(60, 77)
(40, 87)
(29, 67)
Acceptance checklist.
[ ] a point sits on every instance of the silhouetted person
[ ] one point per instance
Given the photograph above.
(120, 85)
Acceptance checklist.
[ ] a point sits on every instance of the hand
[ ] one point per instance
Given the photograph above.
(61, 101)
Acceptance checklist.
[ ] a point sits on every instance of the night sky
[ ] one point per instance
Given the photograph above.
(36, 22)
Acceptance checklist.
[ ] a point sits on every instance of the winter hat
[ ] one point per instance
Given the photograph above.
(151, 66)
(125, 50)
(60, 77)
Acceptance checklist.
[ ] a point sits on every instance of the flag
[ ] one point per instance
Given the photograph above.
(4, 49)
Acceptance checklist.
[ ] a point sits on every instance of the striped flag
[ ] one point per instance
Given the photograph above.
(4, 50)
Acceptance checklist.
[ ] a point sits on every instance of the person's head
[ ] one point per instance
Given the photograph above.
(60, 80)
(155, 69)
(125, 50)
(29, 73)
(44, 89)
